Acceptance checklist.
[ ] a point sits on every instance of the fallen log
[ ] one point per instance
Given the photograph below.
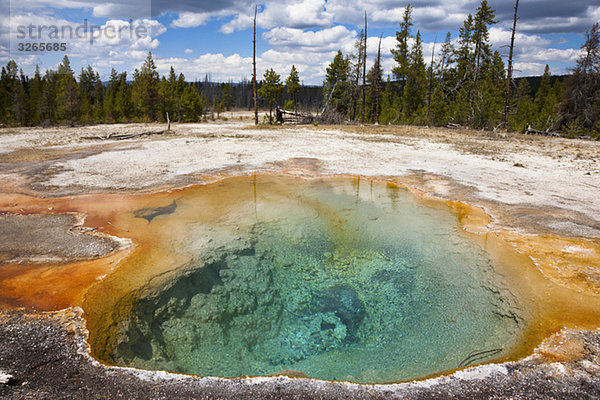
(115, 136)
(297, 118)
(547, 132)
(135, 135)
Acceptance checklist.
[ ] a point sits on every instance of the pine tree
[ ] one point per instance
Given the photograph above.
(109, 110)
(389, 105)
(271, 90)
(375, 80)
(12, 71)
(168, 95)
(179, 88)
(440, 80)
(35, 97)
(557, 92)
(226, 96)
(87, 89)
(48, 102)
(415, 89)
(97, 108)
(293, 86)
(19, 102)
(545, 103)
(482, 58)
(218, 106)
(4, 100)
(356, 71)
(336, 87)
(145, 90)
(458, 106)
(525, 111)
(68, 93)
(445, 57)
(438, 107)
(488, 103)
(463, 54)
(203, 105)
(402, 52)
(544, 89)
(458, 75)
(124, 105)
(483, 18)
(191, 104)
(15, 100)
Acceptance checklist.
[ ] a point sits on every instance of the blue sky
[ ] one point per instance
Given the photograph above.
(199, 37)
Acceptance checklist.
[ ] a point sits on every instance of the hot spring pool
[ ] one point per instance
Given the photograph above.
(338, 279)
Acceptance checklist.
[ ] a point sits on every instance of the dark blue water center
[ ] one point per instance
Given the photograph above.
(332, 280)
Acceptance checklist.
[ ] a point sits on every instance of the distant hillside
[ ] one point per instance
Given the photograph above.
(534, 82)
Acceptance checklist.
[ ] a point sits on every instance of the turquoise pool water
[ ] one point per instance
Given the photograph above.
(340, 280)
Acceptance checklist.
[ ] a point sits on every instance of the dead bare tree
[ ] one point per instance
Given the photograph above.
(254, 69)
(430, 90)
(355, 91)
(578, 113)
(329, 98)
(378, 85)
(364, 83)
(510, 67)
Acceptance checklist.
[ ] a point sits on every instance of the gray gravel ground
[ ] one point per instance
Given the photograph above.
(43, 238)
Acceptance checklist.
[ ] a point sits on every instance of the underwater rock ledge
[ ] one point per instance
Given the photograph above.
(47, 357)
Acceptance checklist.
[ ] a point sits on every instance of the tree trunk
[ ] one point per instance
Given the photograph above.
(378, 86)
(510, 67)
(254, 69)
(364, 83)
(430, 85)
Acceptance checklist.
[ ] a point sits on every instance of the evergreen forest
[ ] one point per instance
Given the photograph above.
(466, 85)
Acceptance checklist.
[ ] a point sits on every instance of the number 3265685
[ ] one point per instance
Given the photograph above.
(27, 46)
